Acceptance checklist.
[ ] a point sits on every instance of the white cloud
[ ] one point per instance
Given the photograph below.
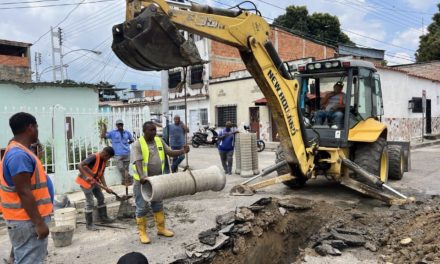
(421, 4)
(409, 38)
(399, 58)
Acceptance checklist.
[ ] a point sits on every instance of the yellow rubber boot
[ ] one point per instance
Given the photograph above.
(159, 217)
(142, 228)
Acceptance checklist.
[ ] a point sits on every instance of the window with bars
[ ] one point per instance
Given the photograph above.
(226, 113)
(197, 74)
(203, 115)
(174, 78)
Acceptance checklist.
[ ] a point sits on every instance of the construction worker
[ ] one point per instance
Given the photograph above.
(148, 159)
(91, 179)
(226, 146)
(121, 140)
(24, 191)
(175, 133)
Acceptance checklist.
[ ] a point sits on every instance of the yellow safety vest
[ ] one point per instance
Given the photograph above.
(146, 156)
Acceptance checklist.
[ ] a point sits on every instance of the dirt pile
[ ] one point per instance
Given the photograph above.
(413, 235)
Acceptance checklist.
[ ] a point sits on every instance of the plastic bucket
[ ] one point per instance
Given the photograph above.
(62, 235)
(65, 217)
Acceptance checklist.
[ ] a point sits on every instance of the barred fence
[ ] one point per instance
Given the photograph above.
(69, 135)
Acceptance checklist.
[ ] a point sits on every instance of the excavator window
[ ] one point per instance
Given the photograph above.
(323, 101)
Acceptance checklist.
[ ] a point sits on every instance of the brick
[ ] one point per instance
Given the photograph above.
(226, 59)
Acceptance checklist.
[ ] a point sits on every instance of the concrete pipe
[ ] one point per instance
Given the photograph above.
(237, 155)
(161, 187)
(255, 154)
(246, 155)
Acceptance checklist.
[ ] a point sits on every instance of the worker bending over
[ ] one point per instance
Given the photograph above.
(148, 159)
(91, 179)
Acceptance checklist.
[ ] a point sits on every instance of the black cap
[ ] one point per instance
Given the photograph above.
(133, 258)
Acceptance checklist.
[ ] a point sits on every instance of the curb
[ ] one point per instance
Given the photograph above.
(425, 144)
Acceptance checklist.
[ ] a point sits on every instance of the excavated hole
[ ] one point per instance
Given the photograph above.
(280, 241)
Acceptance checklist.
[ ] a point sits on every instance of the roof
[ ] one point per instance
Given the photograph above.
(407, 73)
(414, 64)
(47, 84)
(14, 43)
(361, 52)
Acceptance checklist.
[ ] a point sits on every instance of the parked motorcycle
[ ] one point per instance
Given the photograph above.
(205, 136)
(260, 143)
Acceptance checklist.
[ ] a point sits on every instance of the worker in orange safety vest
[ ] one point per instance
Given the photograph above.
(25, 192)
(91, 180)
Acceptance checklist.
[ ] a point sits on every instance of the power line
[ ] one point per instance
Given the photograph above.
(27, 2)
(333, 41)
(54, 5)
(64, 19)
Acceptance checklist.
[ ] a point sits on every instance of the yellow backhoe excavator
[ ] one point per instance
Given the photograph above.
(353, 151)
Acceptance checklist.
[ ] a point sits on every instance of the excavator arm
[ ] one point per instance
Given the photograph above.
(151, 33)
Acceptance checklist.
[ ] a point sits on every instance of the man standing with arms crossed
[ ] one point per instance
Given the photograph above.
(24, 191)
(121, 140)
(148, 159)
(226, 146)
(177, 132)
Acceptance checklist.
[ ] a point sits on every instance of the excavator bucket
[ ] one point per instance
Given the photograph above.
(151, 42)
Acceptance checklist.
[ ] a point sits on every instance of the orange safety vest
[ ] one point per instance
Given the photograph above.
(82, 179)
(12, 207)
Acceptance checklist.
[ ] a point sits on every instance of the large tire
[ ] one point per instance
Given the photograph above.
(396, 161)
(297, 183)
(373, 157)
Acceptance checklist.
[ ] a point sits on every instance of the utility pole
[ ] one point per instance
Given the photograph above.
(57, 44)
(37, 59)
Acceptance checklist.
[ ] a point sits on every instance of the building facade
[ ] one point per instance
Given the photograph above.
(15, 61)
(402, 93)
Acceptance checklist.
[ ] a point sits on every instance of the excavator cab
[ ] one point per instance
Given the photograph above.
(335, 96)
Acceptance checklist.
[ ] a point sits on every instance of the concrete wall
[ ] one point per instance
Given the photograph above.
(243, 94)
(40, 100)
(397, 89)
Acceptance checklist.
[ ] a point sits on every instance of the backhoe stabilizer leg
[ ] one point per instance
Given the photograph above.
(378, 192)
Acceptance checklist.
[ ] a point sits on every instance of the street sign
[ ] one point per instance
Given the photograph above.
(424, 101)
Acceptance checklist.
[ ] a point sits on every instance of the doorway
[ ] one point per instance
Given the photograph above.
(254, 120)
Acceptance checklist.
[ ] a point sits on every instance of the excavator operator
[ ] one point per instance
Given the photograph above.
(332, 105)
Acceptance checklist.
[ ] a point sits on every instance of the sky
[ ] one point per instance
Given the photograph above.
(392, 25)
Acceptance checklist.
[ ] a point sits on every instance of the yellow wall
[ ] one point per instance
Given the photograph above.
(242, 93)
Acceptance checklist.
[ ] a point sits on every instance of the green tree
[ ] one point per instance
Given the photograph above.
(321, 26)
(429, 47)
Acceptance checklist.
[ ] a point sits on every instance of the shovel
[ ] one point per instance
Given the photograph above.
(118, 198)
(125, 208)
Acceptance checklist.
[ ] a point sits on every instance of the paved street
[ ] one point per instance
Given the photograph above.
(190, 215)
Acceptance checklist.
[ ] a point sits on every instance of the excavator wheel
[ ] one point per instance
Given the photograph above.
(298, 182)
(397, 161)
(373, 157)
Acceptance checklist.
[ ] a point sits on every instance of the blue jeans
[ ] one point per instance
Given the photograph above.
(141, 204)
(27, 248)
(335, 118)
(177, 160)
(227, 158)
(96, 192)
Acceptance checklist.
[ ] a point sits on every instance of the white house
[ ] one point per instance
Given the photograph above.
(402, 92)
